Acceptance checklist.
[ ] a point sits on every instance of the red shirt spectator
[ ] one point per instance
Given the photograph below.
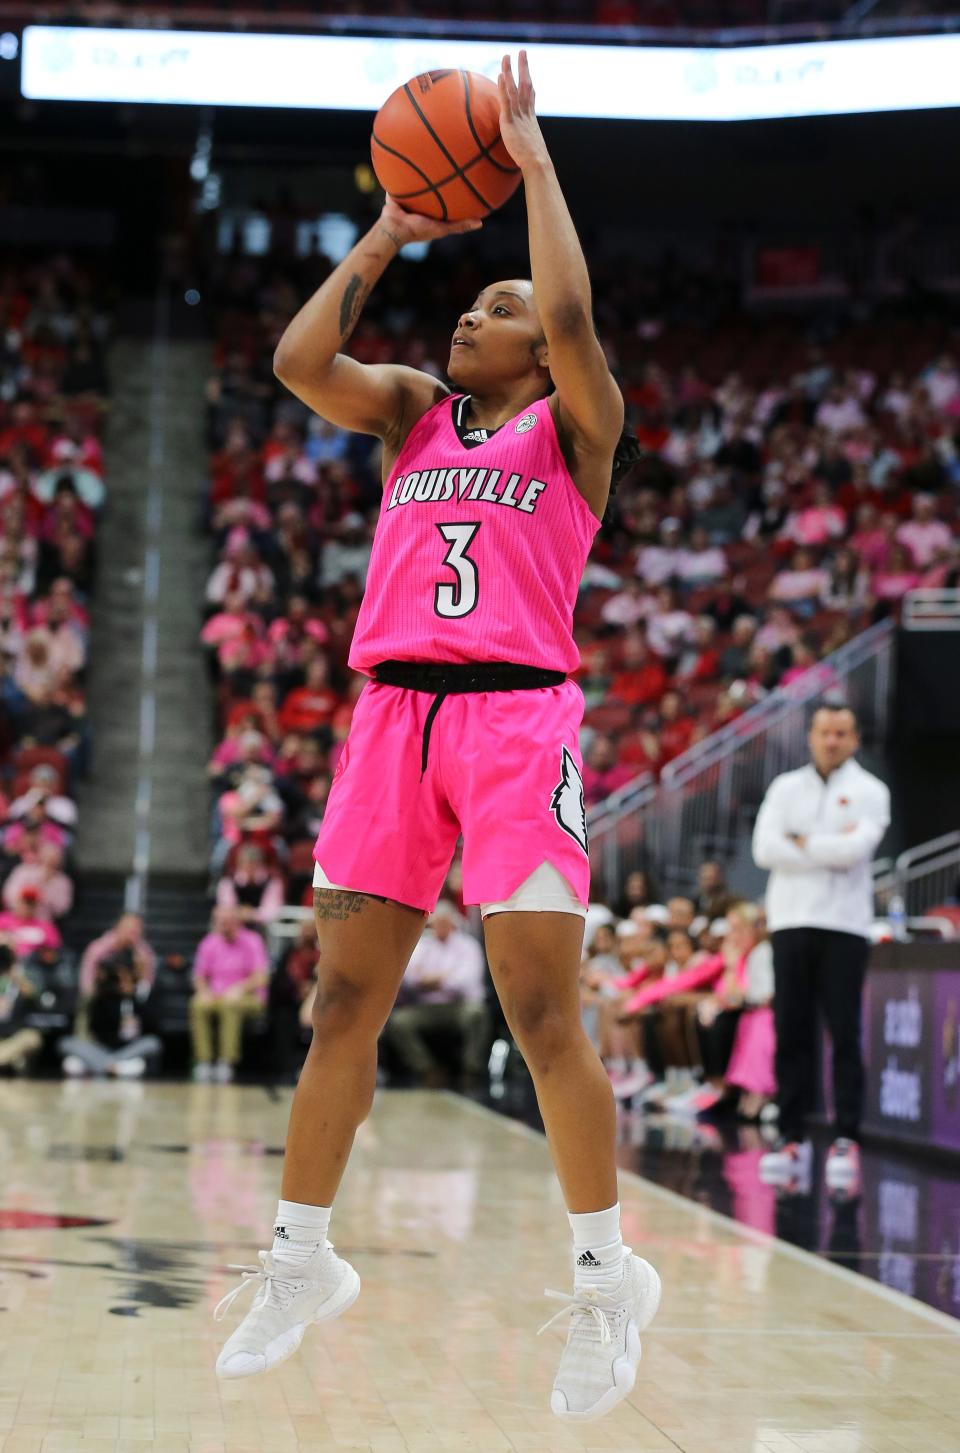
(312, 705)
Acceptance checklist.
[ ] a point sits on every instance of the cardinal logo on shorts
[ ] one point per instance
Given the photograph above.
(566, 804)
(527, 422)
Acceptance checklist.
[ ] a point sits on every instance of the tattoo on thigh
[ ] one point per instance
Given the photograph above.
(338, 903)
(351, 304)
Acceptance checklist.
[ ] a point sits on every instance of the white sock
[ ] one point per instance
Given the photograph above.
(617, 1063)
(597, 1248)
(299, 1231)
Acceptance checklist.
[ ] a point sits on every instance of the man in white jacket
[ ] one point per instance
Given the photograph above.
(817, 831)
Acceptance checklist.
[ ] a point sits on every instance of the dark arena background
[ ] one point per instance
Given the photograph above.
(766, 192)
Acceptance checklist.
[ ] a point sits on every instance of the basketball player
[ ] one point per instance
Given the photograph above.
(492, 497)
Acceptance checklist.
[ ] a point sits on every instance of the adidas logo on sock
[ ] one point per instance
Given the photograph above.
(281, 1233)
(587, 1259)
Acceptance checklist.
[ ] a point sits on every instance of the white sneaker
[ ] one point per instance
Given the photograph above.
(789, 1166)
(73, 1066)
(291, 1297)
(599, 1363)
(133, 1068)
(222, 1073)
(202, 1073)
(633, 1082)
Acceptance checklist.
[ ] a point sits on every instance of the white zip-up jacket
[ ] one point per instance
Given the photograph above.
(827, 883)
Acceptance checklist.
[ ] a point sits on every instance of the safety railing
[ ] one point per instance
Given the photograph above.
(707, 799)
(927, 875)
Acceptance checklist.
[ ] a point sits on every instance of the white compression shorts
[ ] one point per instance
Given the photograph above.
(545, 891)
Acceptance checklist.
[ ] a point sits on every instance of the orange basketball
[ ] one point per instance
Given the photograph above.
(436, 146)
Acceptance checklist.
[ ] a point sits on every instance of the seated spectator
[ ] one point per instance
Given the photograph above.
(347, 552)
(700, 662)
(735, 657)
(46, 878)
(818, 523)
(924, 536)
(677, 727)
(669, 626)
(251, 810)
(602, 772)
(125, 940)
(802, 586)
(700, 563)
(311, 705)
(43, 797)
(628, 607)
(657, 564)
(713, 896)
(118, 1019)
(230, 973)
(19, 988)
(735, 1021)
(254, 889)
(637, 893)
(641, 679)
(443, 992)
(25, 926)
(890, 584)
(681, 913)
(847, 587)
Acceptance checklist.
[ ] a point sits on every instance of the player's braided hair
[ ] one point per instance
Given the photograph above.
(625, 456)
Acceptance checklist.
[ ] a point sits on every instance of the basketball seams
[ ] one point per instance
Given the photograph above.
(430, 186)
(485, 151)
(458, 170)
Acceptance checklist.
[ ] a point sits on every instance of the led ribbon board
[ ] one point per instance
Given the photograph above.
(625, 83)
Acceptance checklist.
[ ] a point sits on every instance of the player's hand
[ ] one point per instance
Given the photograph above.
(406, 227)
(519, 126)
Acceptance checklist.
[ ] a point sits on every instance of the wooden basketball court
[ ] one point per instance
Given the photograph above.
(455, 1223)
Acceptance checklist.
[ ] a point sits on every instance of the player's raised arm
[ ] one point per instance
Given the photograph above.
(372, 399)
(590, 401)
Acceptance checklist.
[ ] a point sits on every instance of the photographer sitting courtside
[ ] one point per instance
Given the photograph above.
(817, 831)
(117, 1017)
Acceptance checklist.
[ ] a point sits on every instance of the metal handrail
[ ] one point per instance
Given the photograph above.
(760, 717)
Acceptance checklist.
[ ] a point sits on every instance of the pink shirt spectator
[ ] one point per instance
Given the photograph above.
(894, 584)
(598, 785)
(872, 546)
(816, 525)
(222, 963)
(55, 890)
(29, 934)
(799, 584)
(14, 837)
(924, 539)
(226, 624)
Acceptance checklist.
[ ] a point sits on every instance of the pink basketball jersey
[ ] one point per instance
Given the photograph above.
(478, 552)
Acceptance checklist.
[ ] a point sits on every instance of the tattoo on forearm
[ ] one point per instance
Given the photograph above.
(339, 903)
(351, 304)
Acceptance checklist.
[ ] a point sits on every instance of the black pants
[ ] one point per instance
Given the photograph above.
(818, 968)
(716, 1043)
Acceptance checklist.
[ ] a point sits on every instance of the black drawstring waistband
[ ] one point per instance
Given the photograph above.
(442, 679)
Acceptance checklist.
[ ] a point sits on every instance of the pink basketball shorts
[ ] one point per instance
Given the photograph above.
(503, 769)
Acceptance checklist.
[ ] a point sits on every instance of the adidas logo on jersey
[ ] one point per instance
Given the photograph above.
(477, 436)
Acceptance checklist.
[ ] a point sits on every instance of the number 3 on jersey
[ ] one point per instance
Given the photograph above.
(453, 601)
